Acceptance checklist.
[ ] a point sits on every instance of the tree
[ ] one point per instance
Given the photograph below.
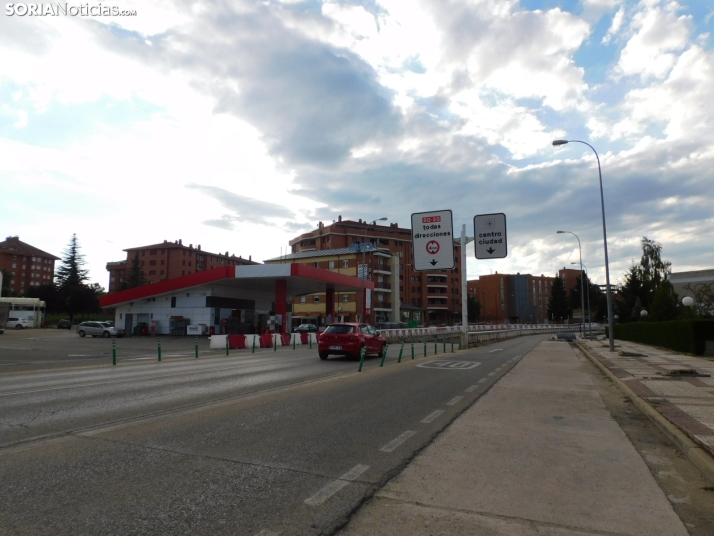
(595, 300)
(703, 298)
(642, 281)
(70, 273)
(6, 289)
(71, 277)
(135, 277)
(665, 305)
(49, 294)
(558, 307)
(473, 308)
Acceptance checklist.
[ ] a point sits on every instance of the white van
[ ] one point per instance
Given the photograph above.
(17, 323)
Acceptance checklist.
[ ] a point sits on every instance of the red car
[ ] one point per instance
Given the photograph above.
(348, 339)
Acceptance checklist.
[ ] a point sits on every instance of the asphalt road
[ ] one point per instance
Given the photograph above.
(265, 443)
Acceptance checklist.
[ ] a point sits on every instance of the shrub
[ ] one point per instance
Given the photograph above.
(679, 335)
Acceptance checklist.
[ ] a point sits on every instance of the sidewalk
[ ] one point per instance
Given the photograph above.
(538, 455)
(686, 402)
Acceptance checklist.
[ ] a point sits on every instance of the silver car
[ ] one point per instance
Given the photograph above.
(99, 329)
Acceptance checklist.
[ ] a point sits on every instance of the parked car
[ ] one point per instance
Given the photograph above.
(306, 328)
(350, 339)
(16, 323)
(64, 324)
(98, 329)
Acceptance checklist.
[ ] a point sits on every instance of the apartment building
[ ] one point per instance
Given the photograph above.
(27, 265)
(168, 260)
(519, 298)
(426, 298)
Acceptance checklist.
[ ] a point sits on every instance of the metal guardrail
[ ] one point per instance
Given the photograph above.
(476, 334)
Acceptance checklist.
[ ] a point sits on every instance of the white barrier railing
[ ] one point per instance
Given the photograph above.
(515, 329)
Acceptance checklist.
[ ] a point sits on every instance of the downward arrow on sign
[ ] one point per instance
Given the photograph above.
(433, 263)
(491, 250)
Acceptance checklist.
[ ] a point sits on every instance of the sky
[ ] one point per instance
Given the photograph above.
(239, 125)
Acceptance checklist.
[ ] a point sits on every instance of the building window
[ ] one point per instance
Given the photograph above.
(345, 298)
(152, 252)
(152, 263)
(331, 265)
(345, 264)
(302, 299)
(316, 264)
(316, 299)
(152, 272)
(173, 301)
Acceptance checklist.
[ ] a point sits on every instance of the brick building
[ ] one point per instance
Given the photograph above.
(427, 298)
(519, 298)
(382, 269)
(27, 265)
(168, 260)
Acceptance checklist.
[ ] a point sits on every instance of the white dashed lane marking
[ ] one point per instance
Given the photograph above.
(482, 380)
(472, 389)
(394, 443)
(432, 416)
(454, 400)
(336, 485)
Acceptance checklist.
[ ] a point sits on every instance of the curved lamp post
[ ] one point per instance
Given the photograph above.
(364, 274)
(590, 318)
(610, 318)
(582, 295)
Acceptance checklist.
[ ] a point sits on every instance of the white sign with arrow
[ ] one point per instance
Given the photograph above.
(433, 240)
(490, 236)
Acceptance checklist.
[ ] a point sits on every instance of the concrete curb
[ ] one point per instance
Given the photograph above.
(701, 459)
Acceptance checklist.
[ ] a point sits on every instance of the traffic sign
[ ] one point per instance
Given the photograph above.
(433, 240)
(490, 236)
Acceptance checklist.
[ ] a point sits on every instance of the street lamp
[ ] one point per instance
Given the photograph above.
(590, 318)
(610, 318)
(582, 295)
(364, 273)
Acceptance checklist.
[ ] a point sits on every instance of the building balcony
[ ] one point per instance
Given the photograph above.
(381, 271)
(382, 306)
(382, 286)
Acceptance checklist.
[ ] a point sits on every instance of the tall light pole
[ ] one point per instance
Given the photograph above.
(364, 274)
(582, 296)
(610, 318)
(590, 318)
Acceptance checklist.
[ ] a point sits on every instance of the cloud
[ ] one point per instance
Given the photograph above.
(243, 209)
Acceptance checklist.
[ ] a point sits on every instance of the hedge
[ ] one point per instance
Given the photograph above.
(678, 335)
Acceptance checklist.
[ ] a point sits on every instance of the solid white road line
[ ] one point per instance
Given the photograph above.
(336, 485)
(496, 350)
(472, 388)
(432, 416)
(454, 400)
(394, 443)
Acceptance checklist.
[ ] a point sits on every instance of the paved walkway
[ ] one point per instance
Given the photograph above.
(686, 402)
(538, 455)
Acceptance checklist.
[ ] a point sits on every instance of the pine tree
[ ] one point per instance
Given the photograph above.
(558, 308)
(135, 277)
(70, 273)
(70, 280)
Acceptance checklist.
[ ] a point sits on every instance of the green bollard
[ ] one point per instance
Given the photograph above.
(114, 352)
(309, 340)
(196, 342)
(452, 347)
(424, 349)
(384, 354)
(294, 339)
(226, 344)
(400, 353)
(159, 348)
(412, 350)
(253, 350)
(275, 343)
(444, 348)
(362, 353)
(436, 347)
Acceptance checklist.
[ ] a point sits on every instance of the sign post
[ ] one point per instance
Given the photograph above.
(433, 240)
